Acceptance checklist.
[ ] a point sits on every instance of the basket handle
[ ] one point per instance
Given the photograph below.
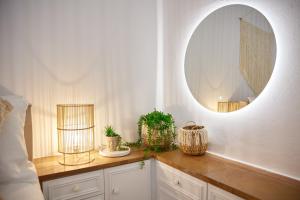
(186, 123)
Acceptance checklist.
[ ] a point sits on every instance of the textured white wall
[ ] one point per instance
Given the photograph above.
(80, 51)
(265, 133)
(41, 58)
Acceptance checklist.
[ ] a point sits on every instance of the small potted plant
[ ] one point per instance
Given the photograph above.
(157, 130)
(113, 139)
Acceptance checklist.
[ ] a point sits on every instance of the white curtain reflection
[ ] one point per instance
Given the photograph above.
(257, 55)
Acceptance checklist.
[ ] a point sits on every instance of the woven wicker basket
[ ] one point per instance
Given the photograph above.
(112, 143)
(192, 139)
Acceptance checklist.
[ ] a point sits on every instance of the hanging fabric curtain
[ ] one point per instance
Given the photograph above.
(256, 55)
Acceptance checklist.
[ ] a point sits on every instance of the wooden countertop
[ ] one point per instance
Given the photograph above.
(48, 167)
(242, 180)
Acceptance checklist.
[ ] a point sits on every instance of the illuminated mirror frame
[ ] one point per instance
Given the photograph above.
(189, 36)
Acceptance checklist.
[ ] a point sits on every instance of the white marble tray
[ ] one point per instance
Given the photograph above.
(112, 154)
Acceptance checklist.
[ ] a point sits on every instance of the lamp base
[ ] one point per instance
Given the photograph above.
(76, 158)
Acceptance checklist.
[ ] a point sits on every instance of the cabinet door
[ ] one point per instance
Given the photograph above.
(128, 182)
(215, 193)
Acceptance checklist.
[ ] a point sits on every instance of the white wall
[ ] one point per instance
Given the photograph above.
(107, 56)
(80, 51)
(265, 133)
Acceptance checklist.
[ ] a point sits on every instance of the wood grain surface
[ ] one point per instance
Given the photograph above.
(242, 180)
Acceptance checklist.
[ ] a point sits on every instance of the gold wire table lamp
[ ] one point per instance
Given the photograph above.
(75, 128)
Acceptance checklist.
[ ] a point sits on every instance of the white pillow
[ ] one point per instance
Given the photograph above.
(14, 164)
(23, 191)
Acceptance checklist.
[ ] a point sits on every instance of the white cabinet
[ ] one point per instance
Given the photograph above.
(215, 193)
(146, 180)
(174, 184)
(86, 186)
(128, 182)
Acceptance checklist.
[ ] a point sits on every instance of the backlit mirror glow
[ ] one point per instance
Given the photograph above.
(230, 58)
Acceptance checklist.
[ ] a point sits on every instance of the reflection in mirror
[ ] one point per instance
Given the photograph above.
(230, 58)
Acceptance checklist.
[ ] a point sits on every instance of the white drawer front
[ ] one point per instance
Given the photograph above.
(80, 186)
(181, 181)
(165, 192)
(215, 193)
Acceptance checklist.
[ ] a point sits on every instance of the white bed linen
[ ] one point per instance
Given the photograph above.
(18, 178)
(14, 164)
(22, 191)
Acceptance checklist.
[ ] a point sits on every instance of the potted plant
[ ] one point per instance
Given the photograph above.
(112, 138)
(157, 130)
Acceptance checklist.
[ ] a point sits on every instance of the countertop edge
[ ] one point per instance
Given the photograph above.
(140, 156)
(57, 175)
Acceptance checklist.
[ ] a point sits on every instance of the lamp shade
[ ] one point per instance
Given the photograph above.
(75, 128)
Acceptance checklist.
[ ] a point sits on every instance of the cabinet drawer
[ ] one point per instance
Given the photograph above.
(215, 193)
(181, 181)
(80, 186)
(165, 192)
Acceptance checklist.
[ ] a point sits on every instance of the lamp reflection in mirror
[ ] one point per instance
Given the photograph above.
(75, 128)
(229, 106)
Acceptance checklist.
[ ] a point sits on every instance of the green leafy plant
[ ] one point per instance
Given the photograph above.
(160, 129)
(136, 144)
(110, 132)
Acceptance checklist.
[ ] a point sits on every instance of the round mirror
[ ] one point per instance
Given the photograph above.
(230, 58)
